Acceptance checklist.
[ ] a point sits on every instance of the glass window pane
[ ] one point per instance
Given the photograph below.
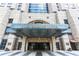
(38, 8)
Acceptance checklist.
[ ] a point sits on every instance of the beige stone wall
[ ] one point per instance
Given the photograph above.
(65, 42)
(10, 42)
(24, 17)
(61, 15)
(25, 7)
(63, 6)
(4, 16)
(66, 6)
(53, 7)
(74, 22)
(16, 16)
(38, 16)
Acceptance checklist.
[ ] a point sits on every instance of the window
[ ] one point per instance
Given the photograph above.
(29, 16)
(3, 43)
(47, 17)
(65, 21)
(78, 18)
(38, 8)
(19, 45)
(9, 43)
(19, 6)
(2, 4)
(57, 6)
(67, 43)
(10, 20)
(57, 46)
(9, 4)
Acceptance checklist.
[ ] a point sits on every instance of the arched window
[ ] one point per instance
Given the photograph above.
(38, 22)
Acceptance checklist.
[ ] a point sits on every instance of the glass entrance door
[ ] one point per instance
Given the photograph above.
(38, 46)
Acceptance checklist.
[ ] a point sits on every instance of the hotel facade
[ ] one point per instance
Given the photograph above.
(44, 27)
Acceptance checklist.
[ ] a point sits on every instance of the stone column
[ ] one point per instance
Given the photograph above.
(26, 44)
(51, 46)
(65, 42)
(23, 43)
(18, 42)
(54, 43)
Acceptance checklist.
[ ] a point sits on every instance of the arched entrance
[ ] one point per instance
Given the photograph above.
(37, 45)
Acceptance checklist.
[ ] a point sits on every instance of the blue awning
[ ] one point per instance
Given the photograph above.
(67, 31)
(37, 30)
(10, 30)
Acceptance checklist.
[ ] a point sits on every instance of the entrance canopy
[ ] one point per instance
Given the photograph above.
(38, 30)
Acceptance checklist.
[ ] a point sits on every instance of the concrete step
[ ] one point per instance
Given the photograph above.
(21, 54)
(39, 53)
(12, 53)
(45, 54)
(3, 52)
(64, 53)
(51, 53)
(56, 54)
(32, 54)
(73, 53)
(27, 53)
